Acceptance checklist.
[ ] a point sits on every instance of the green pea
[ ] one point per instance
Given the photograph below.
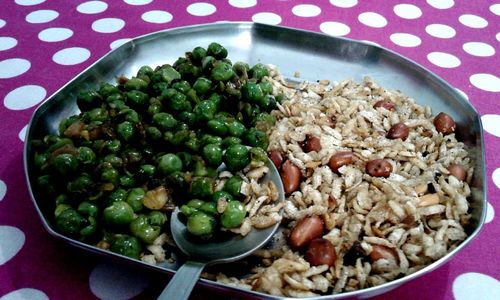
(210, 139)
(64, 164)
(44, 183)
(217, 127)
(127, 181)
(69, 222)
(86, 156)
(62, 199)
(202, 85)
(193, 144)
(252, 92)
(216, 99)
(88, 209)
(159, 87)
(201, 224)
(216, 50)
(230, 140)
(153, 133)
(126, 245)
(168, 73)
(164, 121)
(60, 208)
(106, 90)
(141, 228)
(250, 111)
(264, 121)
(205, 110)
(258, 156)
(182, 86)
(134, 198)
(212, 154)
(186, 158)
(137, 98)
(126, 131)
(80, 184)
(266, 87)
(201, 187)
(267, 103)
(157, 218)
(233, 214)
(89, 230)
(154, 108)
(130, 115)
(88, 99)
(207, 63)
(132, 156)
(188, 71)
(118, 213)
(146, 172)
(179, 103)
(241, 69)
(187, 117)
(110, 175)
(236, 129)
(145, 71)
(233, 186)
(258, 71)
(187, 210)
(169, 163)
(198, 54)
(195, 203)
(114, 146)
(257, 138)
(209, 208)
(116, 101)
(222, 72)
(116, 196)
(177, 179)
(222, 196)
(136, 84)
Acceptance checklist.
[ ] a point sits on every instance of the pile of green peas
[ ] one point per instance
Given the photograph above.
(169, 127)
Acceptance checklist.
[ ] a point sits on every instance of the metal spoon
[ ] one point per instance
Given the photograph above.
(214, 252)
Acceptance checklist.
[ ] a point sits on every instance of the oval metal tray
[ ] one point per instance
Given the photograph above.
(316, 56)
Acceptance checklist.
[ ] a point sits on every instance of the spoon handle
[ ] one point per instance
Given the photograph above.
(181, 285)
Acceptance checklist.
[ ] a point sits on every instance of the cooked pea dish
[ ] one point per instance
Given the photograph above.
(376, 185)
(149, 143)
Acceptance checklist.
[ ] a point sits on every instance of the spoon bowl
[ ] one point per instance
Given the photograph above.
(202, 253)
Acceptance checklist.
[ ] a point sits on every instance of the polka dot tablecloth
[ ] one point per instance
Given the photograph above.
(43, 44)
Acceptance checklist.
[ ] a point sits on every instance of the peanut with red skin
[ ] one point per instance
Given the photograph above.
(398, 131)
(458, 171)
(321, 252)
(379, 168)
(306, 230)
(313, 143)
(444, 123)
(385, 104)
(379, 252)
(291, 177)
(276, 157)
(340, 159)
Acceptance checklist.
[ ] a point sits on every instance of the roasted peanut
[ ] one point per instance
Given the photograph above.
(379, 252)
(276, 158)
(313, 143)
(398, 131)
(321, 252)
(340, 159)
(428, 200)
(458, 171)
(385, 104)
(444, 123)
(306, 230)
(379, 168)
(291, 176)
(332, 202)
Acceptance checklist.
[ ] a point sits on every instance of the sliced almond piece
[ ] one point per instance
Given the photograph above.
(428, 199)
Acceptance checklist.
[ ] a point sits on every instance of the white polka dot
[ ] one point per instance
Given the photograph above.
(266, 18)
(242, 3)
(334, 28)
(92, 7)
(11, 241)
(443, 60)
(441, 4)
(462, 93)
(405, 39)
(407, 11)
(201, 9)
(71, 56)
(24, 97)
(41, 16)
(112, 282)
(22, 133)
(118, 43)
(473, 21)
(306, 10)
(344, 3)
(496, 174)
(3, 189)
(2, 23)
(498, 36)
(490, 213)
(440, 31)
(372, 19)
(108, 25)
(7, 43)
(138, 2)
(486, 82)
(25, 293)
(157, 16)
(13, 67)
(478, 49)
(477, 285)
(55, 34)
(29, 2)
(491, 124)
(495, 8)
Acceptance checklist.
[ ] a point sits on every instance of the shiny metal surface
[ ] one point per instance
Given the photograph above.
(316, 56)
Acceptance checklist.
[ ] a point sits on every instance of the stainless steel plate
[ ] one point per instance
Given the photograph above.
(315, 56)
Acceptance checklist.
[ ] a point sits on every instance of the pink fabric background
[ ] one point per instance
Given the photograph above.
(43, 268)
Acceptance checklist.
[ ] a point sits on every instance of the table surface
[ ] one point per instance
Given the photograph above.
(44, 44)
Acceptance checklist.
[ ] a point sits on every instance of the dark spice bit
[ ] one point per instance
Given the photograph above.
(352, 255)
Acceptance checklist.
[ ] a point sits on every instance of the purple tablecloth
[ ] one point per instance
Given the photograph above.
(43, 44)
